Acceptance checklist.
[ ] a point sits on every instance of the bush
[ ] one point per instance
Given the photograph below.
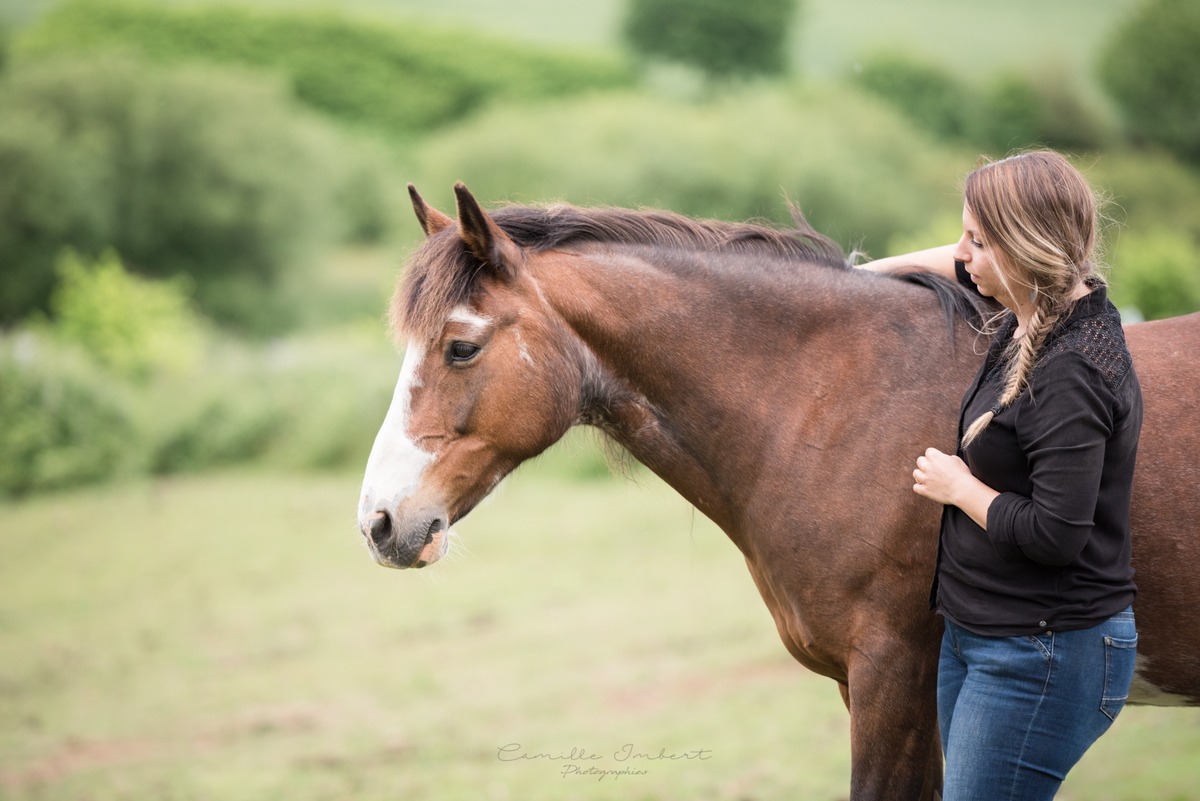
(189, 171)
(721, 38)
(1017, 111)
(926, 93)
(68, 421)
(1067, 118)
(1147, 192)
(1010, 111)
(285, 404)
(65, 422)
(1008, 115)
(132, 326)
(210, 424)
(1151, 67)
(1156, 272)
(399, 79)
(859, 172)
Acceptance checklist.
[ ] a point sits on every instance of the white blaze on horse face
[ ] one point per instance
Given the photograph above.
(396, 464)
(464, 315)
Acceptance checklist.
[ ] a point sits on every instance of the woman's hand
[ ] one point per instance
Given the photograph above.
(947, 479)
(939, 475)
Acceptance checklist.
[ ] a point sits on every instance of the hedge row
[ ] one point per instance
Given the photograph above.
(396, 78)
(68, 421)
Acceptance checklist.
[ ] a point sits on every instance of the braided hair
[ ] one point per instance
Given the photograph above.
(1040, 217)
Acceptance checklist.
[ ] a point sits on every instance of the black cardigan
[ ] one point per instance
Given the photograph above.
(1056, 552)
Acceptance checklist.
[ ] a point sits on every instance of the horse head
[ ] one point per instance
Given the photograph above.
(489, 379)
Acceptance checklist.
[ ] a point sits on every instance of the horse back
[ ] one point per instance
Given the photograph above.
(1165, 516)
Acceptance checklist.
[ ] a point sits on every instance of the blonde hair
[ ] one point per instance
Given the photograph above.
(1040, 218)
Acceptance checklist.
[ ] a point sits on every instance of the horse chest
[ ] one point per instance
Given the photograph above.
(814, 635)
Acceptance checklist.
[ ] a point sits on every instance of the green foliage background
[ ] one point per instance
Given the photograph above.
(721, 39)
(250, 155)
(737, 156)
(398, 78)
(1151, 66)
(194, 171)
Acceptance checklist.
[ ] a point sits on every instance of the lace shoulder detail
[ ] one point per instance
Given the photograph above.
(1100, 339)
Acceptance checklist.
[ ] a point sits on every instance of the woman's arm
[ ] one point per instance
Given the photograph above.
(1064, 438)
(938, 260)
(1065, 434)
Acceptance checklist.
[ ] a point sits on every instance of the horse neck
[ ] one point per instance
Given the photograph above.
(694, 367)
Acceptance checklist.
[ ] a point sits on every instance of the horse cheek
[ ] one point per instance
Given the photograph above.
(538, 402)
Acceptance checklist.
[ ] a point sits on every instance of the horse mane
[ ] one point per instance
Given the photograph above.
(443, 274)
(563, 225)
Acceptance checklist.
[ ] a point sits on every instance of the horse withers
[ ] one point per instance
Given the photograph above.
(784, 396)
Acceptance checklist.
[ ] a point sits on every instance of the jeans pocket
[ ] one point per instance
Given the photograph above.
(1044, 644)
(1120, 656)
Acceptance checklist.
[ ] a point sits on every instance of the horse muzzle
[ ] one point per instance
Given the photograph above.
(412, 542)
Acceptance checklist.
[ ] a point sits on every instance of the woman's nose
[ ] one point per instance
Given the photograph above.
(961, 251)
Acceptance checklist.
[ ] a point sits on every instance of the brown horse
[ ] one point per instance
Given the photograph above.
(784, 395)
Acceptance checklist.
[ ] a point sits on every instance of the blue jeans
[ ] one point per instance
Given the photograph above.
(1017, 713)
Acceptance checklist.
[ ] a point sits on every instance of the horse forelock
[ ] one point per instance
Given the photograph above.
(442, 274)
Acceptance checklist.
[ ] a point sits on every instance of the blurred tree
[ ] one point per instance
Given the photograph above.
(1157, 272)
(198, 171)
(927, 94)
(1151, 67)
(1011, 110)
(721, 38)
(1008, 116)
(1069, 118)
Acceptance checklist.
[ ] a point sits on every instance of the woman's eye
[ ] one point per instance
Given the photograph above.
(463, 351)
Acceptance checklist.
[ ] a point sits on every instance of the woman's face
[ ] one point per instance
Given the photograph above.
(980, 260)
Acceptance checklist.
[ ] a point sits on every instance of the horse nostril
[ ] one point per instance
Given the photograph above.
(379, 527)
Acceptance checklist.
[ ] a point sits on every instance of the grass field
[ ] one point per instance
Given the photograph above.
(227, 637)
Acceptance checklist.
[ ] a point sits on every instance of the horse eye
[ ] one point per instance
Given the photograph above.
(463, 351)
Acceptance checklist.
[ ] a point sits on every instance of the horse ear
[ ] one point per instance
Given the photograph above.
(430, 218)
(486, 241)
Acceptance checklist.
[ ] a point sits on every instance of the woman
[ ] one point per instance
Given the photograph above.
(1033, 575)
